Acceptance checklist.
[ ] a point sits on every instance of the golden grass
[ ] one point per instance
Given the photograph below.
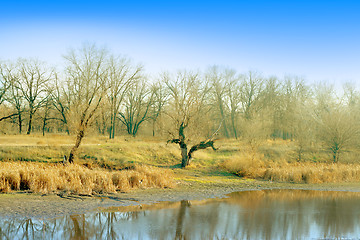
(73, 178)
(296, 172)
(124, 152)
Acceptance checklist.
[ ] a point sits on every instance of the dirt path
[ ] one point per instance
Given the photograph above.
(25, 205)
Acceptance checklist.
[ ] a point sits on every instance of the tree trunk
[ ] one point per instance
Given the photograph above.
(183, 146)
(112, 126)
(20, 123)
(336, 152)
(73, 151)
(184, 156)
(300, 153)
(67, 130)
(233, 125)
(225, 130)
(224, 121)
(336, 156)
(43, 127)
(30, 123)
(153, 128)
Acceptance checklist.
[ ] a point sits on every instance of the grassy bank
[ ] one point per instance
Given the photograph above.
(103, 165)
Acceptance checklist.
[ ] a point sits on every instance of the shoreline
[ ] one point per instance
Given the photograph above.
(37, 206)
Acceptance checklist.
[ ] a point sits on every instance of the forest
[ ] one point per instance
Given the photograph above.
(98, 93)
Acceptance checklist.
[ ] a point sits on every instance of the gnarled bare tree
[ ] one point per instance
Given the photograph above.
(188, 96)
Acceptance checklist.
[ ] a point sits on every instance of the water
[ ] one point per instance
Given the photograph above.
(269, 214)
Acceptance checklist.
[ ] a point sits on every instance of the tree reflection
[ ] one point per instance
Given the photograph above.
(244, 215)
(180, 219)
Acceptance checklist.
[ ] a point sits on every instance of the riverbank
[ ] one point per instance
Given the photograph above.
(127, 171)
(29, 205)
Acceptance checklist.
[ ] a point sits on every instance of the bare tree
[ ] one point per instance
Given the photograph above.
(136, 109)
(255, 131)
(296, 117)
(351, 97)
(16, 99)
(32, 82)
(46, 113)
(8, 77)
(337, 125)
(218, 82)
(122, 74)
(252, 87)
(233, 90)
(160, 99)
(188, 96)
(60, 100)
(87, 74)
(339, 130)
(303, 129)
(5, 76)
(272, 105)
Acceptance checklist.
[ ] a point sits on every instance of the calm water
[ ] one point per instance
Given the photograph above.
(270, 214)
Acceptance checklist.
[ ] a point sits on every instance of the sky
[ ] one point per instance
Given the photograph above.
(318, 40)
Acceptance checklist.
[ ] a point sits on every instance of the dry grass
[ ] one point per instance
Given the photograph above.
(275, 161)
(296, 172)
(73, 178)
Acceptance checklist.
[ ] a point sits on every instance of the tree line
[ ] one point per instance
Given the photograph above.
(102, 93)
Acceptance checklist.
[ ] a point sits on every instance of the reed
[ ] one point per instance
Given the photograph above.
(77, 179)
(295, 172)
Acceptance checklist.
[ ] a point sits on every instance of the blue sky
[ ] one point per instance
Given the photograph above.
(319, 40)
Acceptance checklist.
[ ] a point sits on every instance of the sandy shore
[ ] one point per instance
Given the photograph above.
(29, 205)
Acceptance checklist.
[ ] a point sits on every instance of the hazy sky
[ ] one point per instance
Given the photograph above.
(317, 39)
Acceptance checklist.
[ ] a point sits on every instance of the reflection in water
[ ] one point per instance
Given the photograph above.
(270, 214)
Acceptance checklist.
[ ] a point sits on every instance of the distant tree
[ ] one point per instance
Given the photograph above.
(255, 132)
(324, 98)
(351, 97)
(32, 81)
(8, 76)
(136, 109)
(160, 99)
(60, 100)
(216, 77)
(296, 118)
(303, 130)
(122, 75)
(339, 130)
(17, 101)
(272, 103)
(5, 77)
(46, 114)
(233, 90)
(87, 75)
(251, 92)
